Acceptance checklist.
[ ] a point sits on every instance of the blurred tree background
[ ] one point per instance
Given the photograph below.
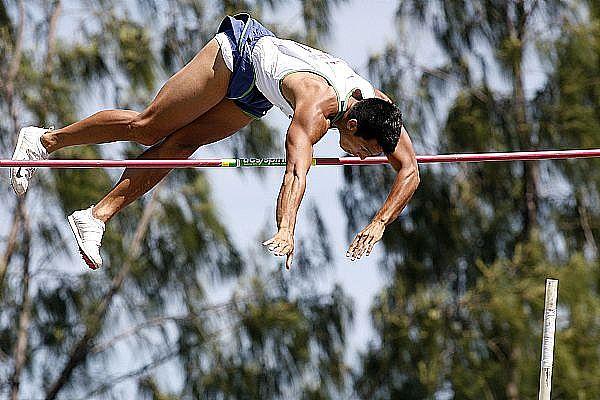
(106, 334)
(460, 316)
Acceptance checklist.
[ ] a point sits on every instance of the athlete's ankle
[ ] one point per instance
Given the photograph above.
(101, 214)
(48, 140)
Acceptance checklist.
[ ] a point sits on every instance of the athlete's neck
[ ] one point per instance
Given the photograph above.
(341, 123)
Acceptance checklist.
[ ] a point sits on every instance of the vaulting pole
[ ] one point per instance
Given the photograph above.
(547, 357)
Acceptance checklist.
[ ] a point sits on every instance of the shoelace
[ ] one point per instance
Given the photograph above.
(31, 155)
(29, 171)
(89, 231)
(34, 155)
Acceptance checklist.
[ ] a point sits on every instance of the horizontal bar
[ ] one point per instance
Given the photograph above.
(277, 162)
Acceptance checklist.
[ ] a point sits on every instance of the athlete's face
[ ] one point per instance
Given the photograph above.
(353, 144)
(358, 146)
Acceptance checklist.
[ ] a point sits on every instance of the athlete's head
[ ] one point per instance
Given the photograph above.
(371, 126)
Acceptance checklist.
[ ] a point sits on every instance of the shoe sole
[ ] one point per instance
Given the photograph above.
(79, 240)
(19, 142)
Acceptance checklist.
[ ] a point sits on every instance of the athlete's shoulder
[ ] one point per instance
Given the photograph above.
(311, 91)
(308, 86)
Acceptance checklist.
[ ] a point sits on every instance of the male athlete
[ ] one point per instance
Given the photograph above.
(237, 77)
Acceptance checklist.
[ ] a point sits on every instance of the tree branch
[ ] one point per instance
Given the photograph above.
(441, 75)
(137, 372)
(142, 370)
(50, 50)
(10, 246)
(584, 219)
(51, 45)
(98, 348)
(13, 68)
(15, 61)
(136, 328)
(20, 352)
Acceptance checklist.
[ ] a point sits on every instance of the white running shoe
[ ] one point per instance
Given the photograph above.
(88, 232)
(29, 147)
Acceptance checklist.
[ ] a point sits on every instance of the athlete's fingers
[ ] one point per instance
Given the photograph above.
(349, 251)
(353, 246)
(362, 244)
(285, 249)
(358, 244)
(368, 246)
(371, 247)
(273, 250)
(352, 252)
(369, 242)
(280, 253)
(356, 251)
(356, 240)
(268, 242)
(280, 243)
(366, 250)
(274, 246)
(282, 246)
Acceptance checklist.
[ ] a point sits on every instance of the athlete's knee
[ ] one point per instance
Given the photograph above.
(142, 130)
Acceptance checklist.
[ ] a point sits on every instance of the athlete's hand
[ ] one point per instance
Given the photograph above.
(282, 244)
(365, 240)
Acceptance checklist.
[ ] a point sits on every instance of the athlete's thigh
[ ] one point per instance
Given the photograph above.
(188, 94)
(218, 123)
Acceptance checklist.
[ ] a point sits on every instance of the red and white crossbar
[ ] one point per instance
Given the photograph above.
(274, 162)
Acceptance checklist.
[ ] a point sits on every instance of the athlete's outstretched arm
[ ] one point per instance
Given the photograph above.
(407, 180)
(307, 127)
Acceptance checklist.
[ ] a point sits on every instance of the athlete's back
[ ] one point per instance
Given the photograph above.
(274, 58)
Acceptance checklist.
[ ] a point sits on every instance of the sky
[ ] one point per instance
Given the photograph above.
(361, 279)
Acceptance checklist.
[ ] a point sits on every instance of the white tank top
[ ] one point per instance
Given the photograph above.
(275, 58)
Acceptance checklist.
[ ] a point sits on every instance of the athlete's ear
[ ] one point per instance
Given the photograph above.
(352, 126)
(357, 94)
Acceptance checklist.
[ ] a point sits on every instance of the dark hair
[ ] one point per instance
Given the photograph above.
(378, 119)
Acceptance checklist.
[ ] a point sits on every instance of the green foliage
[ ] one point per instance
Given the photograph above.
(461, 316)
(316, 14)
(150, 304)
(134, 46)
(483, 340)
(274, 341)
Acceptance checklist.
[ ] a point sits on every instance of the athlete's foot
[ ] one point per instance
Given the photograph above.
(88, 232)
(29, 147)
